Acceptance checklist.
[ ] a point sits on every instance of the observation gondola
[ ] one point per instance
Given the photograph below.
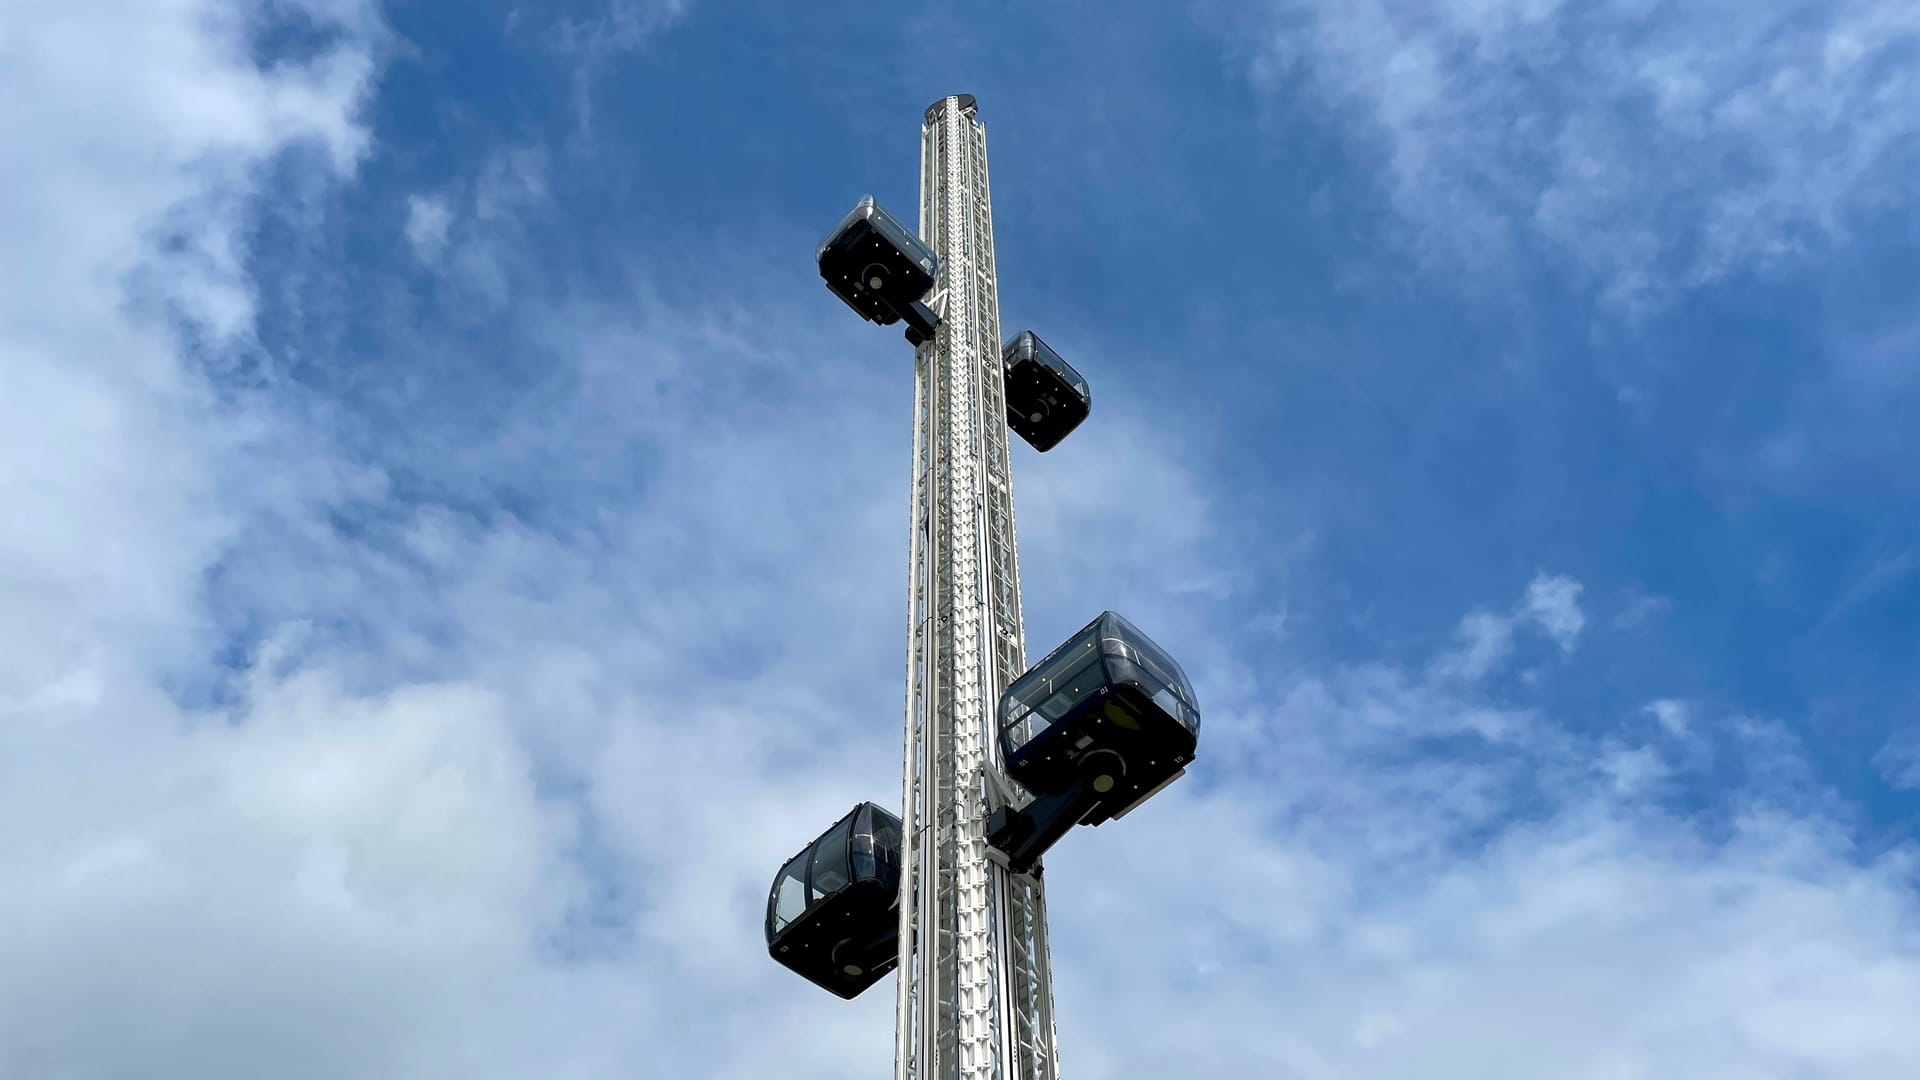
(881, 269)
(833, 914)
(1093, 730)
(1046, 398)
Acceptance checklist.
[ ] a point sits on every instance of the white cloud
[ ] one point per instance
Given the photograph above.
(148, 124)
(125, 150)
(1637, 608)
(1633, 770)
(1899, 759)
(475, 818)
(1551, 603)
(510, 182)
(428, 217)
(1674, 716)
(1654, 148)
(1485, 641)
(1334, 903)
(619, 27)
(474, 234)
(314, 881)
(336, 881)
(590, 45)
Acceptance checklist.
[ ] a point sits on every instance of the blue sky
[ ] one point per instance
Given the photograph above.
(455, 545)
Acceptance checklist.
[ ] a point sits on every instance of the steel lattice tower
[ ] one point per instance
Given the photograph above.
(975, 994)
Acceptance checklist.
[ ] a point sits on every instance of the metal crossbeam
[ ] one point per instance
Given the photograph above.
(975, 995)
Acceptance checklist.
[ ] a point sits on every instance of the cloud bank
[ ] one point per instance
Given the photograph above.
(1652, 147)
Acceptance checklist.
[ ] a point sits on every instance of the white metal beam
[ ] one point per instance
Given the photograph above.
(975, 997)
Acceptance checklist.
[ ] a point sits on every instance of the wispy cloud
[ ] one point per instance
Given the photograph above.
(1551, 604)
(428, 218)
(478, 785)
(591, 44)
(1673, 715)
(1652, 147)
(1529, 894)
(1899, 759)
(474, 233)
(134, 169)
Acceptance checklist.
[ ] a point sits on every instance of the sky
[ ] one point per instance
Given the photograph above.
(452, 546)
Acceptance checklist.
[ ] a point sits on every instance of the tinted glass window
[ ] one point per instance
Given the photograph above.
(1086, 677)
(1174, 706)
(789, 895)
(1164, 668)
(1054, 693)
(1065, 671)
(830, 864)
(865, 868)
(1059, 704)
(1121, 638)
(1022, 733)
(886, 839)
(1041, 351)
(1013, 708)
(1150, 663)
(863, 861)
(1051, 689)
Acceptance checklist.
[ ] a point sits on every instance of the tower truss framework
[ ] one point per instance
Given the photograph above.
(975, 993)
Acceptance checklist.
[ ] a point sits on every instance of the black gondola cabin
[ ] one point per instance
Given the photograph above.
(832, 914)
(880, 268)
(1046, 398)
(1108, 713)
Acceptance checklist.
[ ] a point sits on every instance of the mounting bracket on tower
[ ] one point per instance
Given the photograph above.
(1001, 792)
(921, 321)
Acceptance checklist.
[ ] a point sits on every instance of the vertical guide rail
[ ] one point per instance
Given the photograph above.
(962, 679)
(1029, 1038)
(975, 995)
(913, 977)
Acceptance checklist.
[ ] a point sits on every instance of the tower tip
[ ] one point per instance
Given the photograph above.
(967, 105)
